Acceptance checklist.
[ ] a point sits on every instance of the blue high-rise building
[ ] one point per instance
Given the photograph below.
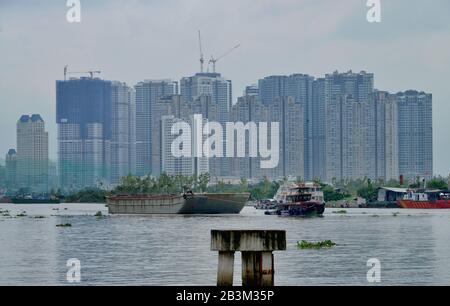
(84, 119)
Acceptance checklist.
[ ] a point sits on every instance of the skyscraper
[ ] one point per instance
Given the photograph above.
(318, 130)
(350, 125)
(123, 137)
(32, 153)
(300, 88)
(219, 89)
(84, 119)
(415, 126)
(386, 118)
(11, 169)
(147, 94)
(248, 109)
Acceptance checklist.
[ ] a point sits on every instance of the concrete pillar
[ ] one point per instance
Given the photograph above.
(257, 249)
(226, 269)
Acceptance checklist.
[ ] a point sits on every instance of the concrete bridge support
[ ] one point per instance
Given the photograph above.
(256, 247)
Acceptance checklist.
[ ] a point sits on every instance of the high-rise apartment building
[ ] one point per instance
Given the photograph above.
(350, 126)
(123, 134)
(84, 119)
(11, 169)
(386, 118)
(32, 153)
(300, 88)
(219, 89)
(415, 134)
(147, 94)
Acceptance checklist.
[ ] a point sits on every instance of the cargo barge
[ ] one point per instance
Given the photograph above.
(186, 204)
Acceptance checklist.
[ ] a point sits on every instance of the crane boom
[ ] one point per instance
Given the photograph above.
(213, 60)
(202, 59)
(90, 72)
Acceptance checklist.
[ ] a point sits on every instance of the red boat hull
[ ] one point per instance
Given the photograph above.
(439, 204)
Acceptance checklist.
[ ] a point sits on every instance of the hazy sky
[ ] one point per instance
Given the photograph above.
(134, 40)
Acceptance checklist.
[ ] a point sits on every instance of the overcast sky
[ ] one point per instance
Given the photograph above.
(134, 40)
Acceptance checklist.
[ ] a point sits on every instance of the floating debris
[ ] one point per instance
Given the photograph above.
(39, 217)
(64, 225)
(315, 245)
(395, 214)
(99, 214)
(343, 211)
(23, 214)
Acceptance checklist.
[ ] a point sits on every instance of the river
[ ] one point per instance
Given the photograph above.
(413, 246)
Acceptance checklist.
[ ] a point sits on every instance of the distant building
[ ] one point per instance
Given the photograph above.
(415, 134)
(252, 90)
(147, 94)
(248, 109)
(300, 88)
(84, 119)
(219, 89)
(32, 154)
(123, 137)
(386, 113)
(318, 130)
(11, 169)
(170, 164)
(350, 126)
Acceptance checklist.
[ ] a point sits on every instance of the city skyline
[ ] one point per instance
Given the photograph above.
(397, 69)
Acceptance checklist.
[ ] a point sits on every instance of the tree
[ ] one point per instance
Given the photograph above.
(203, 181)
(243, 185)
(437, 184)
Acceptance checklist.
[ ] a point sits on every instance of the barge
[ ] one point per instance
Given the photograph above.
(186, 204)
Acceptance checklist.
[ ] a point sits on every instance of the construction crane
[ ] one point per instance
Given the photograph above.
(90, 72)
(213, 60)
(202, 59)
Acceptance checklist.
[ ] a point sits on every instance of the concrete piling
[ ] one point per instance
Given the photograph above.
(256, 247)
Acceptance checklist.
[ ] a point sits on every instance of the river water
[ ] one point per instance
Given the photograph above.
(413, 247)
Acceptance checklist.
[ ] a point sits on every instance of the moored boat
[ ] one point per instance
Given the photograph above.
(299, 200)
(425, 199)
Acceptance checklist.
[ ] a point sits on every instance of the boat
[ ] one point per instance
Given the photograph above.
(425, 199)
(215, 203)
(305, 199)
(187, 203)
(145, 204)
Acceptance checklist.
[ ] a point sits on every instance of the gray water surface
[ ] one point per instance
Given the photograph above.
(413, 247)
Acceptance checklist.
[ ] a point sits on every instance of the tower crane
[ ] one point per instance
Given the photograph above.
(213, 60)
(90, 72)
(202, 59)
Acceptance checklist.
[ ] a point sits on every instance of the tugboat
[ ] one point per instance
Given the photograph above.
(426, 199)
(304, 199)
